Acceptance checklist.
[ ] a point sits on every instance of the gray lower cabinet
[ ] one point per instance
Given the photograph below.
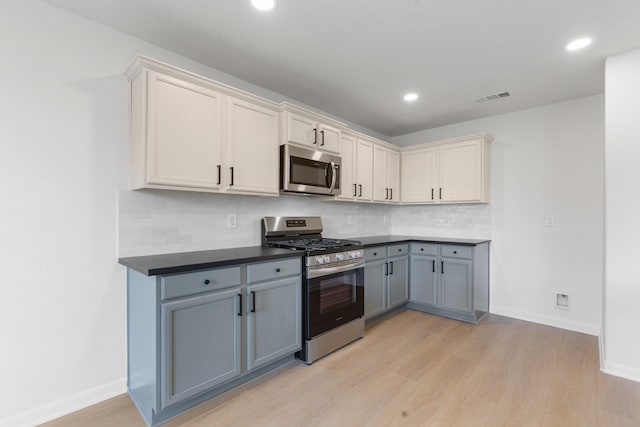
(274, 326)
(450, 280)
(201, 344)
(386, 284)
(194, 335)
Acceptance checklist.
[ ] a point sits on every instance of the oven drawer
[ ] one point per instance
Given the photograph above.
(452, 251)
(398, 250)
(261, 271)
(424, 249)
(179, 285)
(375, 253)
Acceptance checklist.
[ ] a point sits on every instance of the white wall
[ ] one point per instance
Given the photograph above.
(64, 138)
(545, 161)
(622, 244)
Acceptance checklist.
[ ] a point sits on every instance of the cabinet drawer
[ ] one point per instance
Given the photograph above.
(398, 250)
(424, 249)
(179, 285)
(452, 251)
(372, 254)
(273, 269)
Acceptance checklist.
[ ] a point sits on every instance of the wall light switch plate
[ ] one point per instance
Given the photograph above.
(550, 221)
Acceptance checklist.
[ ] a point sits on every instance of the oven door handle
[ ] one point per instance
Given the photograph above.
(325, 271)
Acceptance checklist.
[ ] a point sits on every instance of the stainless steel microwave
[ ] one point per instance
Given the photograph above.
(307, 171)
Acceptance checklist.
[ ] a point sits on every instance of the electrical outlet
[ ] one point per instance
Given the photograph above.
(550, 221)
(563, 301)
(349, 219)
(232, 221)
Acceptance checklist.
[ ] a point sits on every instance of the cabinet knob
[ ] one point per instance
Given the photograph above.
(400, 250)
(455, 252)
(422, 249)
(207, 281)
(278, 270)
(375, 254)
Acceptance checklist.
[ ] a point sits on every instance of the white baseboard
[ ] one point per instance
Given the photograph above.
(584, 328)
(621, 371)
(65, 406)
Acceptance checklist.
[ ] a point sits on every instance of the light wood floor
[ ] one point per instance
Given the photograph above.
(414, 369)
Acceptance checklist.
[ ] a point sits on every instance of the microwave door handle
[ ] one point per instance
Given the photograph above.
(332, 165)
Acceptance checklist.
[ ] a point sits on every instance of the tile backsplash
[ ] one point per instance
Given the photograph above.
(463, 220)
(158, 221)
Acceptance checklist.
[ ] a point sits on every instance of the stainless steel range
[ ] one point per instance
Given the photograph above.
(333, 283)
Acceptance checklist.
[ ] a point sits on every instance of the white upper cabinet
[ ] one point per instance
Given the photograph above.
(386, 174)
(252, 148)
(190, 133)
(348, 173)
(364, 170)
(310, 130)
(184, 132)
(449, 172)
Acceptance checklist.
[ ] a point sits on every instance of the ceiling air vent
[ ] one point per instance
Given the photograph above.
(493, 97)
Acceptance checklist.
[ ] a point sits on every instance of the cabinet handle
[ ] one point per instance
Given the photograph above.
(360, 187)
(231, 176)
(253, 301)
(441, 193)
(442, 267)
(432, 193)
(386, 194)
(386, 266)
(322, 137)
(355, 190)
(240, 305)
(433, 267)
(278, 270)
(391, 194)
(315, 135)
(206, 282)
(219, 174)
(391, 264)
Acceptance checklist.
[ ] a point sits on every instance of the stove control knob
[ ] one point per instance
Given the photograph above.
(355, 255)
(339, 257)
(327, 259)
(320, 260)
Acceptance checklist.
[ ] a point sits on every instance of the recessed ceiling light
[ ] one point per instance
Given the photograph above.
(578, 44)
(263, 4)
(411, 97)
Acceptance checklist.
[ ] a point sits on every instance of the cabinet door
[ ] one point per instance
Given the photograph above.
(302, 130)
(185, 129)
(200, 344)
(461, 171)
(364, 153)
(348, 188)
(456, 283)
(252, 149)
(329, 138)
(375, 293)
(419, 176)
(393, 175)
(380, 189)
(274, 321)
(398, 281)
(423, 280)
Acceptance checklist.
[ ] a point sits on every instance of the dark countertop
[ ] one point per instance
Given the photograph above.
(385, 240)
(152, 265)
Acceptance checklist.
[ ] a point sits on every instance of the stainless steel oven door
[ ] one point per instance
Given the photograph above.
(334, 296)
(308, 171)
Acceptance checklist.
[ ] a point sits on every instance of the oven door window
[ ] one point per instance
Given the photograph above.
(335, 300)
(309, 172)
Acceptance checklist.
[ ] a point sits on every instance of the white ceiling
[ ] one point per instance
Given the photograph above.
(356, 58)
